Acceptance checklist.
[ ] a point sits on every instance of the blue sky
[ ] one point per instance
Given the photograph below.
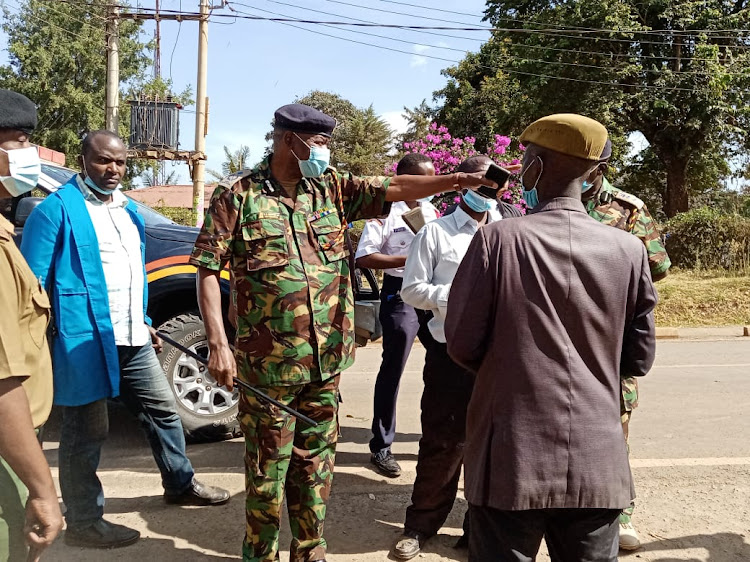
(256, 66)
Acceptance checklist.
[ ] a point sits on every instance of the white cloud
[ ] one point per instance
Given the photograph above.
(396, 121)
(418, 59)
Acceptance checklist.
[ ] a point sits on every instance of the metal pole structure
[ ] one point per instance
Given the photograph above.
(201, 105)
(113, 68)
(157, 50)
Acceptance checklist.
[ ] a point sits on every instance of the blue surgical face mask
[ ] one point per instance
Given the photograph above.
(587, 184)
(531, 196)
(91, 185)
(317, 163)
(477, 202)
(24, 168)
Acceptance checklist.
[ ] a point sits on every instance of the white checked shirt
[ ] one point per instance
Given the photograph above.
(432, 262)
(391, 236)
(120, 249)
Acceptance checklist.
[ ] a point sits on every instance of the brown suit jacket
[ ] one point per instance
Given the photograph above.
(548, 310)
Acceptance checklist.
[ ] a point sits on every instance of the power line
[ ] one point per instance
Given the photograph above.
(42, 20)
(510, 71)
(533, 22)
(517, 59)
(516, 45)
(174, 47)
(542, 32)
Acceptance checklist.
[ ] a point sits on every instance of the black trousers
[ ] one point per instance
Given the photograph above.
(447, 391)
(572, 535)
(401, 324)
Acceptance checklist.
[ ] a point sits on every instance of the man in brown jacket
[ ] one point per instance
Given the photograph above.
(560, 307)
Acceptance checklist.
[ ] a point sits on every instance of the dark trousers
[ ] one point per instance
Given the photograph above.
(447, 390)
(401, 324)
(572, 535)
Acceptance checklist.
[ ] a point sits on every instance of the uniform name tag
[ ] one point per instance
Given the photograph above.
(400, 229)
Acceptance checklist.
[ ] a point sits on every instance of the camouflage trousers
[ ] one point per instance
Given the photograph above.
(628, 402)
(285, 456)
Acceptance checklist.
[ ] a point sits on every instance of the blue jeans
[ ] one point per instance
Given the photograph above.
(145, 392)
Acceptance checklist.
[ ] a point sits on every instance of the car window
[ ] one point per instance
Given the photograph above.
(149, 215)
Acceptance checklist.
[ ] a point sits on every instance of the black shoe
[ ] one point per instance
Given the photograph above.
(386, 464)
(198, 494)
(101, 534)
(462, 543)
(408, 545)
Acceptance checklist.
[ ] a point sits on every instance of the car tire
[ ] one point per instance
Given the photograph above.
(208, 412)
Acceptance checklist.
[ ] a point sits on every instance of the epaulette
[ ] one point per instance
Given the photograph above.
(229, 181)
(628, 198)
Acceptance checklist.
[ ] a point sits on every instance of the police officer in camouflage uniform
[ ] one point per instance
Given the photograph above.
(620, 209)
(280, 228)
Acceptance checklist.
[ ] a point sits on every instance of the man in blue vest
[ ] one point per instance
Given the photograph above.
(86, 244)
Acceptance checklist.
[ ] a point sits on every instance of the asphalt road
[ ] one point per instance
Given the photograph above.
(690, 457)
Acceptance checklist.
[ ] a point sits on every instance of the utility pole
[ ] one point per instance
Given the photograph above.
(113, 67)
(157, 51)
(201, 107)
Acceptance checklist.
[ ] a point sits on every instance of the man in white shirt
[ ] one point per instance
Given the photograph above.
(85, 243)
(431, 264)
(384, 245)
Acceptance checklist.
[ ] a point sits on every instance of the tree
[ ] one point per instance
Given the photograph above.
(235, 161)
(418, 122)
(361, 140)
(56, 54)
(365, 151)
(156, 174)
(673, 71)
(447, 152)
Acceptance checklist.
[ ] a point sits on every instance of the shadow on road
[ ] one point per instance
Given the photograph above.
(721, 547)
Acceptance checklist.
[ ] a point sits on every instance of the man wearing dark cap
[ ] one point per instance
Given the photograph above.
(560, 306)
(280, 226)
(29, 510)
(615, 207)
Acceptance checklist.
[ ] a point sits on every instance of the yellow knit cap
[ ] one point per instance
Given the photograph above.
(568, 133)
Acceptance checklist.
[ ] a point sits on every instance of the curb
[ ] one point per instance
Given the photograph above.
(669, 333)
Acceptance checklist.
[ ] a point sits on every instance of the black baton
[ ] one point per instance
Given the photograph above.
(238, 382)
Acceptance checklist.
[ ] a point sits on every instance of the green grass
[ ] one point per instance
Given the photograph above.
(703, 298)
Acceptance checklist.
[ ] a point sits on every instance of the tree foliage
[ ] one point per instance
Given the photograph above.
(677, 72)
(361, 140)
(234, 162)
(57, 58)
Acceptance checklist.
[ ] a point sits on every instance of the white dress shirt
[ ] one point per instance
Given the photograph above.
(120, 249)
(392, 236)
(432, 262)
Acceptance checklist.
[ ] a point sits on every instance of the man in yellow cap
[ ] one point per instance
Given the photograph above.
(560, 306)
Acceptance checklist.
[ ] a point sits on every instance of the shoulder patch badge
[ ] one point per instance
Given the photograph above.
(628, 198)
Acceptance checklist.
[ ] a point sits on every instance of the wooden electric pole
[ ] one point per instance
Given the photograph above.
(113, 68)
(201, 107)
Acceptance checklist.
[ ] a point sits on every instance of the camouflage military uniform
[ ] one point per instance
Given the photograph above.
(295, 334)
(622, 210)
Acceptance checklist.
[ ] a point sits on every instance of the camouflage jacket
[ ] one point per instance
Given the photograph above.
(625, 211)
(295, 308)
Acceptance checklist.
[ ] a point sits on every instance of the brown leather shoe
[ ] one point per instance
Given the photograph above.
(198, 494)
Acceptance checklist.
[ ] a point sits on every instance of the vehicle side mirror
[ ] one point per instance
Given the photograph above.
(24, 208)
